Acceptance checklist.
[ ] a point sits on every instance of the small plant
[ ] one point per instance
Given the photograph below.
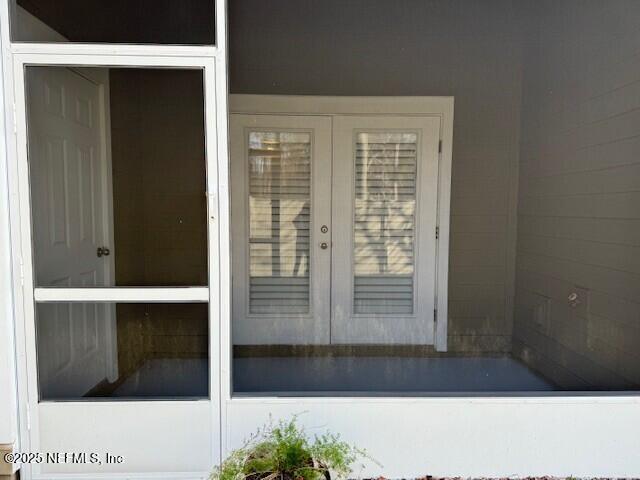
(282, 451)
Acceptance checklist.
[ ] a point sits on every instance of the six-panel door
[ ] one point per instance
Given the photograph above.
(71, 209)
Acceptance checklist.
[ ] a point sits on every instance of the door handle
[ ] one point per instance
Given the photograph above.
(324, 245)
(103, 252)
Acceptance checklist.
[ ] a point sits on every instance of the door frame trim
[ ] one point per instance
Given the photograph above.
(441, 107)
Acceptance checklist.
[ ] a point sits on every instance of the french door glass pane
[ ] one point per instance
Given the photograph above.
(384, 222)
(123, 350)
(189, 22)
(119, 202)
(279, 219)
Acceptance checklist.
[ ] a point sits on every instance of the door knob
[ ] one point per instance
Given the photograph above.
(324, 245)
(103, 252)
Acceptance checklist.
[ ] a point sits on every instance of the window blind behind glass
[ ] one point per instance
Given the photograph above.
(384, 222)
(279, 222)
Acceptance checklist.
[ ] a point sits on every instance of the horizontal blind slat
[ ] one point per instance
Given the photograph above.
(279, 223)
(384, 222)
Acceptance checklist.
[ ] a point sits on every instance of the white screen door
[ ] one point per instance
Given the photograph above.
(122, 353)
(281, 214)
(355, 196)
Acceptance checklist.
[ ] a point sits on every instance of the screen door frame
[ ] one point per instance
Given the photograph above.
(147, 419)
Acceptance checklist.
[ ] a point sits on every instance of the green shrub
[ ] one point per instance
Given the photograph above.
(282, 451)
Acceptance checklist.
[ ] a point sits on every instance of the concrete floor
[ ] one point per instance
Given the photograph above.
(383, 375)
(168, 378)
(327, 375)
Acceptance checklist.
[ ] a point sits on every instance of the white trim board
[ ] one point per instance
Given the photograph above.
(8, 380)
(326, 105)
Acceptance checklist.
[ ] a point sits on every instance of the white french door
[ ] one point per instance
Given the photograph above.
(281, 220)
(385, 194)
(334, 229)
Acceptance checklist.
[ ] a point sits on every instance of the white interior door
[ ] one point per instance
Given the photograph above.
(71, 206)
(281, 221)
(385, 191)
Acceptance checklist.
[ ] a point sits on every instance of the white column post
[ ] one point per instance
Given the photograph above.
(8, 385)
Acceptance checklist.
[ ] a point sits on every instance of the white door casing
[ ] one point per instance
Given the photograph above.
(385, 196)
(72, 217)
(281, 252)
